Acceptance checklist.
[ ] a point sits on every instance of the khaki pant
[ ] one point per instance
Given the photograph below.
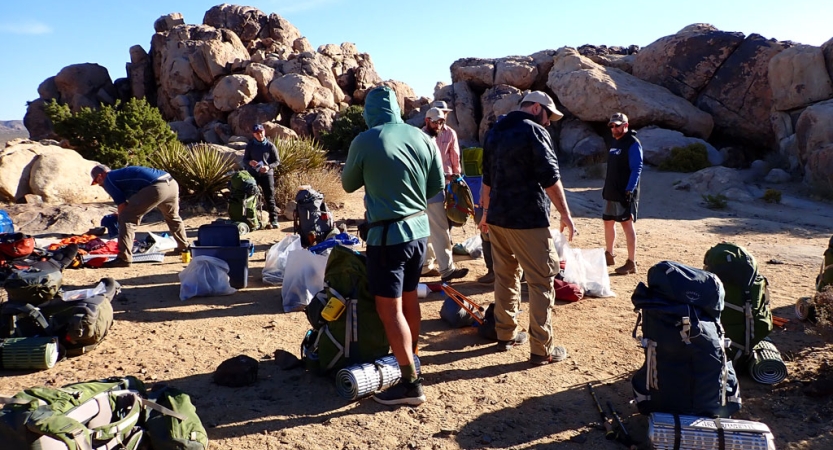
(163, 195)
(439, 243)
(533, 251)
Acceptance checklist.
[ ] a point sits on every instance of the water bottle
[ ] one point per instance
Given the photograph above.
(186, 256)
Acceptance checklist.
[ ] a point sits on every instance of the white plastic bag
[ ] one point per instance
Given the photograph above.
(584, 267)
(205, 276)
(275, 266)
(303, 279)
(161, 244)
(474, 246)
(81, 294)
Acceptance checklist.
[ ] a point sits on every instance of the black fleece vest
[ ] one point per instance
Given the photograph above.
(618, 168)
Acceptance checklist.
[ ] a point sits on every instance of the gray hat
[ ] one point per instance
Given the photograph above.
(97, 170)
(441, 105)
(618, 119)
(546, 101)
(435, 114)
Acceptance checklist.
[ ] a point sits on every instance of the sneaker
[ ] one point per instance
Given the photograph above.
(558, 353)
(431, 273)
(520, 338)
(402, 393)
(274, 224)
(609, 258)
(629, 267)
(118, 262)
(457, 273)
(489, 278)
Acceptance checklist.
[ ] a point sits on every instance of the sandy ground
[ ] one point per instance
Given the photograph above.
(477, 398)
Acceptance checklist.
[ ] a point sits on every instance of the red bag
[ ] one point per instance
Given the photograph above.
(567, 292)
(16, 245)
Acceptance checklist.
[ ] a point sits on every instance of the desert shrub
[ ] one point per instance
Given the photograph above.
(323, 179)
(201, 170)
(691, 158)
(772, 196)
(718, 201)
(823, 303)
(346, 126)
(298, 155)
(119, 135)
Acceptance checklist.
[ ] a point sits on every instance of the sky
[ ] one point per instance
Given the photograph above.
(411, 41)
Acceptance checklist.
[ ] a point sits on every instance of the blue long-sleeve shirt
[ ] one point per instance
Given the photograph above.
(122, 184)
(635, 163)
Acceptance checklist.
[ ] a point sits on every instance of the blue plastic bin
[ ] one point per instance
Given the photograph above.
(475, 185)
(237, 259)
(6, 224)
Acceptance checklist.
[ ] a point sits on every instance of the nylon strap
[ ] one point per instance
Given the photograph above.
(678, 431)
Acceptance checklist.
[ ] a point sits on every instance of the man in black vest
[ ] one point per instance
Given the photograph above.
(261, 159)
(621, 190)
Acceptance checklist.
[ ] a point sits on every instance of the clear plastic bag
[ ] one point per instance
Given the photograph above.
(303, 279)
(474, 246)
(81, 294)
(205, 276)
(584, 267)
(275, 266)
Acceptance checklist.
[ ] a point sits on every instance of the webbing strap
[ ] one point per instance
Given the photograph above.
(678, 431)
(721, 434)
(651, 378)
(335, 342)
(166, 411)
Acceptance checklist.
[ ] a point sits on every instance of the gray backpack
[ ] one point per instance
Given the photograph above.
(313, 221)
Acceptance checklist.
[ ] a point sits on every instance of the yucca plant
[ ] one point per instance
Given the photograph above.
(172, 159)
(200, 169)
(299, 155)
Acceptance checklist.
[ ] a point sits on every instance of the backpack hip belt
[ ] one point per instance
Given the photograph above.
(388, 222)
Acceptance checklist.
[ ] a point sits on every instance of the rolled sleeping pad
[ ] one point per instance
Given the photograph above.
(29, 353)
(805, 309)
(360, 380)
(766, 365)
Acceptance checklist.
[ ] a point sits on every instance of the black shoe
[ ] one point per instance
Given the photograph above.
(430, 273)
(458, 273)
(558, 353)
(118, 262)
(520, 338)
(489, 278)
(402, 393)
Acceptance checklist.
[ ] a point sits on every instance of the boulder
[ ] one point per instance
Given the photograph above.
(718, 180)
(402, 90)
(827, 51)
(798, 77)
(543, 63)
(277, 131)
(73, 183)
(813, 129)
(243, 119)
(318, 66)
(658, 142)
(738, 96)
(167, 22)
(301, 123)
(263, 75)
(478, 72)
(40, 219)
(302, 45)
(16, 165)
(47, 90)
(579, 144)
(247, 22)
(495, 101)
(323, 122)
(282, 31)
(233, 91)
(140, 74)
(782, 124)
(592, 93)
(296, 91)
(777, 176)
(464, 113)
(759, 169)
(818, 169)
(788, 149)
(79, 85)
(518, 71)
(37, 122)
(684, 62)
(205, 112)
(621, 62)
(186, 131)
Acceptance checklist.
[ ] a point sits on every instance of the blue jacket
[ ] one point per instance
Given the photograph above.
(122, 184)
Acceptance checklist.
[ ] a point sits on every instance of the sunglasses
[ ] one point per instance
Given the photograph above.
(612, 125)
(439, 121)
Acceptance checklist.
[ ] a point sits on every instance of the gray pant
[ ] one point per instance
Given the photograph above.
(161, 194)
(439, 243)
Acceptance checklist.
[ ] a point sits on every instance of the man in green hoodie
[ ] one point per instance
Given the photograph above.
(400, 168)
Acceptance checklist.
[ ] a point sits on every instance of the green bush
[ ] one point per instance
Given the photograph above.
(346, 126)
(718, 201)
(119, 135)
(201, 170)
(691, 158)
(772, 196)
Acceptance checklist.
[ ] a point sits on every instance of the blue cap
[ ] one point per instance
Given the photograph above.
(257, 127)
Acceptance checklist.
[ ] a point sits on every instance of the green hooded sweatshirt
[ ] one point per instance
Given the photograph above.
(399, 167)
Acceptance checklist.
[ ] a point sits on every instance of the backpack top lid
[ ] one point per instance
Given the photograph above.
(308, 195)
(683, 284)
(16, 245)
(731, 263)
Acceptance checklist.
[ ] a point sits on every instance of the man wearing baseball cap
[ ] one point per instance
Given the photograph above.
(621, 190)
(520, 179)
(137, 190)
(261, 159)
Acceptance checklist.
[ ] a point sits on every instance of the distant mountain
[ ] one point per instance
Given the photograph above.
(12, 126)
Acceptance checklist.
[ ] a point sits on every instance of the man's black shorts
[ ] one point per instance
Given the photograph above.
(620, 211)
(394, 269)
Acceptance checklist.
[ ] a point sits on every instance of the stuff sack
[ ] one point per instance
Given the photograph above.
(165, 431)
(312, 220)
(825, 277)
(355, 333)
(205, 276)
(459, 203)
(101, 414)
(6, 222)
(16, 245)
(34, 284)
(747, 317)
(243, 205)
(686, 370)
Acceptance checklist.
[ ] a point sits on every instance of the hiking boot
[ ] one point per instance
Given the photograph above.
(274, 224)
(489, 278)
(431, 273)
(520, 338)
(558, 353)
(609, 258)
(118, 262)
(402, 393)
(629, 267)
(457, 273)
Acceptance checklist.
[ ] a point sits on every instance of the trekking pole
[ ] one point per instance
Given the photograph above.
(609, 434)
(621, 434)
(472, 308)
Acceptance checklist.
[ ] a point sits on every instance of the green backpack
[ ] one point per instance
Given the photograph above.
(825, 277)
(243, 203)
(459, 202)
(747, 317)
(110, 414)
(357, 334)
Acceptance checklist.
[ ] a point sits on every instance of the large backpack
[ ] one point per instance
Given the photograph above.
(459, 202)
(80, 325)
(111, 414)
(825, 277)
(686, 370)
(747, 318)
(243, 206)
(36, 283)
(312, 219)
(357, 334)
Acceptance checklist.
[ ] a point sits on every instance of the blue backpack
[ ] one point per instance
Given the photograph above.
(686, 369)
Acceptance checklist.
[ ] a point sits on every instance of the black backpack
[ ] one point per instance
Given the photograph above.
(686, 369)
(312, 219)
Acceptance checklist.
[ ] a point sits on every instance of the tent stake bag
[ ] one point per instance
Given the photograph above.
(686, 370)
